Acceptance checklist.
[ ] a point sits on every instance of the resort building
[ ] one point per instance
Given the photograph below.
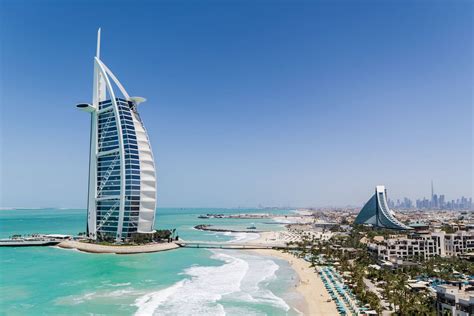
(456, 300)
(122, 178)
(376, 212)
(423, 246)
(459, 243)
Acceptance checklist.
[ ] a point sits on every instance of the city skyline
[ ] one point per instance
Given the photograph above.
(436, 201)
(249, 104)
(394, 202)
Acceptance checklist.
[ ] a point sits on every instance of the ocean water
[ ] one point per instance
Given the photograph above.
(54, 281)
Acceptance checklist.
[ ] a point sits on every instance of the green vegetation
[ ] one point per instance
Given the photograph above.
(402, 300)
(164, 235)
(159, 235)
(353, 261)
(448, 229)
(370, 232)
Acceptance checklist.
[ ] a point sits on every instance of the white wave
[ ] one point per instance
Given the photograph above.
(119, 284)
(68, 249)
(282, 220)
(83, 298)
(117, 293)
(242, 279)
(298, 311)
(75, 250)
(102, 295)
(210, 234)
(148, 303)
(198, 295)
(254, 284)
(75, 282)
(243, 237)
(74, 299)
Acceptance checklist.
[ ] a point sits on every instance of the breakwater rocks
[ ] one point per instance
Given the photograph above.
(224, 230)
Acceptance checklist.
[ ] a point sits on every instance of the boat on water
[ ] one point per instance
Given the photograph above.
(33, 240)
(203, 216)
(252, 227)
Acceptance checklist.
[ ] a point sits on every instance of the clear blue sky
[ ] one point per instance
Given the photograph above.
(306, 103)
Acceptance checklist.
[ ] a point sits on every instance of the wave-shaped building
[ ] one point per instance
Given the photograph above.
(377, 213)
(122, 177)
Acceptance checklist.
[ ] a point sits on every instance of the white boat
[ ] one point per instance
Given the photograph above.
(26, 242)
(35, 240)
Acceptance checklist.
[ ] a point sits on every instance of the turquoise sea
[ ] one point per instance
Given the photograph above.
(54, 281)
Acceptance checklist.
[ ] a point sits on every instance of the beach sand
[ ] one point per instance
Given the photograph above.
(94, 248)
(276, 238)
(310, 286)
(268, 238)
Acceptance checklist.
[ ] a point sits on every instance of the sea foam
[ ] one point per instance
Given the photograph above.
(94, 296)
(254, 285)
(243, 237)
(199, 294)
(241, 279)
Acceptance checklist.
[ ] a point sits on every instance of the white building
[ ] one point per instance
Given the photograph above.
(122, 177)
(454, 300)
(423, 245)
(459, 243)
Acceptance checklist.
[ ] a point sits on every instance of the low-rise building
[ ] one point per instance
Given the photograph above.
(423, 246)
(454, 300)
(459, 243)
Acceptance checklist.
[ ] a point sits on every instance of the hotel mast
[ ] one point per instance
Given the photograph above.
(122, 177)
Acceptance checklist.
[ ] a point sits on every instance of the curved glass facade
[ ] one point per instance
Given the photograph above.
(377, 213)
(109, 169)
(122, 175)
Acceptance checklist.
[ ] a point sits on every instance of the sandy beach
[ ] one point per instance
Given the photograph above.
(277, 237)
(94, 248)
(310, 286)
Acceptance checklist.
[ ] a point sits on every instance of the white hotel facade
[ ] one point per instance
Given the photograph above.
(423, 245)
(122, 176)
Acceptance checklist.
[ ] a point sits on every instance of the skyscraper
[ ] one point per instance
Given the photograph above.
(122, 177)
(442, 203)
(432, 201)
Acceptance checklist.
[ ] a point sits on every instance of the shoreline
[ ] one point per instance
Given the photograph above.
(310, 285)
(123, 250)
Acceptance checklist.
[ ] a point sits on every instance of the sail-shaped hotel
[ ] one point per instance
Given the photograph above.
(377, 213)
(122, 177)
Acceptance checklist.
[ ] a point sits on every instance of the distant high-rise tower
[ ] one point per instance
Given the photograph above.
(122, 177)
(441, 201)
(432, 201)
(432, 190)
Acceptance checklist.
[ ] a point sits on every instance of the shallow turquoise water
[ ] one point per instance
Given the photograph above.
(52, 281)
